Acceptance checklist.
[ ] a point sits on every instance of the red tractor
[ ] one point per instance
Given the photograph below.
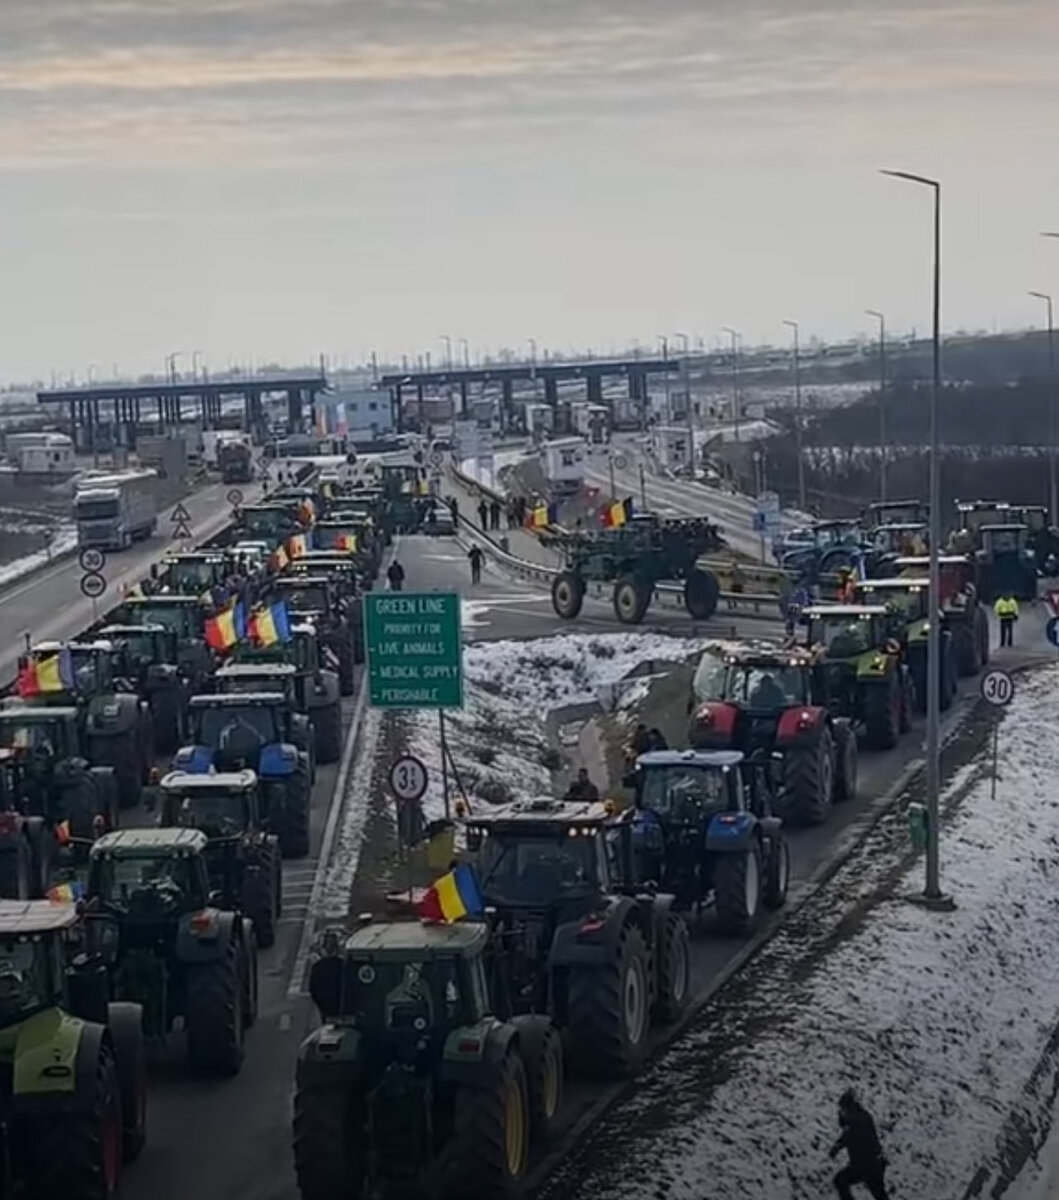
(773, 702)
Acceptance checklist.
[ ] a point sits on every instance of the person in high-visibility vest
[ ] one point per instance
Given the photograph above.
(1007, 612)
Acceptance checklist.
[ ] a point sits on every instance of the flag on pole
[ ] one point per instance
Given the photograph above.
(66, 893)
(452, 897)
(226, 628)
(46, 675)
(270, 625)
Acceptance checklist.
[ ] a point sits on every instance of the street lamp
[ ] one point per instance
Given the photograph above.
(735, 377)
(685, 375)
(933, 882)
(448, 350)
(663, 342)
(883, 448)
(798, 448)
(170, 365)
(466, 354)
(1052, 497)
(195, 356)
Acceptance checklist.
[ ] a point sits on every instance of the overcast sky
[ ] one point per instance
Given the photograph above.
(279, 178)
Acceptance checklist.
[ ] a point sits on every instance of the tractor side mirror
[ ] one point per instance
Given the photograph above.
(215, 899)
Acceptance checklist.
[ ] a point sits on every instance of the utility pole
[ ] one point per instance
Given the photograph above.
(932, 893)
(884, 449)
(1053, 516)
(735, 378)
(798, 447)
(664, 343)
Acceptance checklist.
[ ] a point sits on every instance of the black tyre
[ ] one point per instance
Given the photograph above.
(490, 1143)
(674, 970)
(294, 837)
(947, 689)
(981, 628)
(125, 1023)
(329, 1143)
(542, 1054)
(14, 873)
(343, 648)
(214, 1016)
(250, 985)
(845, 761)
(165, 715)
(808, 789)
(908, 701)
(631, 599)
(609, 1010)
(777, 873)
(738, 889)
(78, 1153)
(882, 712)
(568, 594)
(965, 645)
(327, 732)
(701, 592)
(259, 902)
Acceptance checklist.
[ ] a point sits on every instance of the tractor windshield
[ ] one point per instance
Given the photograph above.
(149, 884)
(193, 575)
(177, 618)
(218, 814)
(710, 677)
(764, 687)
(388, 995)
(843, 637)
(535, 870)
(222, 726)
(23, 980)
(306, 599)
(685, 793)
(35, 737)
(1004, 541)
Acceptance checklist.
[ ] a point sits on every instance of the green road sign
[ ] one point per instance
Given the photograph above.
(415, 649)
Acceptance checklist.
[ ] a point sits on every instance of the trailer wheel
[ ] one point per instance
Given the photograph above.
(568, 594)
(631, 599)
(701, 592)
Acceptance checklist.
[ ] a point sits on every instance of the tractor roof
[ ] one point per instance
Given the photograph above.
(14, 708)
(212, 781)
(821, 612)
(771, 656)
(1002, 526)
(709, 760)
(882, 505)
(912, 583)
(160, 601)
(975, 505)
(544, 810)
(319, 558)
(120, 631)
(414, 939)
(100, 645)
(26, 918)
(239, 700)
(250, 544)
(900, 526)
(214, 556)
(134, 842)
(257, 670)
(944, 560)
(300, 581)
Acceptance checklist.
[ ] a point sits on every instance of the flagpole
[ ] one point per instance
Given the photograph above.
(444, 765)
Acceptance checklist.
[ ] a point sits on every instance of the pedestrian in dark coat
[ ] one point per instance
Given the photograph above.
(655, 740)
(494, 514)
(860, 1141)
(483, 515)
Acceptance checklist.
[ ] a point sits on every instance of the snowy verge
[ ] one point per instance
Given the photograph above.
(940, 1019)
(61, 546)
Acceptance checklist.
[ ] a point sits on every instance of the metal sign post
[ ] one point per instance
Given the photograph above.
(408, 782)
(998, 689)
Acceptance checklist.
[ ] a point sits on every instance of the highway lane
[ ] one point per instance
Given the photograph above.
(49, 604)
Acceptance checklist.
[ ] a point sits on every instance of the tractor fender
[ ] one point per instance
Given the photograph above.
(277, 760)
(590, 940)
(713, 724)
(205, 936)
(330, 1055)
(729, 832)
(195, 760)
(324, 691)
(472, 1053)
(55, 1060)
(301, 728)
(798, 726)
(113, 716)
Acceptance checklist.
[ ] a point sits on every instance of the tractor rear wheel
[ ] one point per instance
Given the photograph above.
(329, 1143)
(882, 712)
(568, 594)
(327, 732)
(166, 708)
(701, 591)
(214, 1016)
(259, 902)
(542, 1052)
(981, 633)
(777, 872)
(490, 1143)
(965, 646)
(738, 888)
(632, 596)
(608, 1009)
(78, 1152)
(947, 692)
(294, 834)
(343, 648)
(674, 970)
(845, 761)
(808, 789)
(125, 1023)
(250, 985)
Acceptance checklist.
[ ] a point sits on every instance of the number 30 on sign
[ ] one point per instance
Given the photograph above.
(997, 688)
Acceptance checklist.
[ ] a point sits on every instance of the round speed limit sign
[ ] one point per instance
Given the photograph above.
(997, 688)
(408, 778)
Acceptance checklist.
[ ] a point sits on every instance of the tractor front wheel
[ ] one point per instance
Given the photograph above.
(674, 970)
(327, 732)
(808, 781)
(631, 599)
(329, 1143)
(738, 889)
(845, 761)
(568, 594)
(609, 1010)
(701, 592)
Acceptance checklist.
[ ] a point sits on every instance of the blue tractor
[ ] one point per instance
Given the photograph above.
(704, 831)
(252, 731)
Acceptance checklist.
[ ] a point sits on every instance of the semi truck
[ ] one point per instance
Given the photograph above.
(113, 511)
(235, 461)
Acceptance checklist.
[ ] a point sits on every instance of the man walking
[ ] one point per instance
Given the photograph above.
(495, 510)
(395, 575)
(1007, 613)
(860, 1140)
(476, 556)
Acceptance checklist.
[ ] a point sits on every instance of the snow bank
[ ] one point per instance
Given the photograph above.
(63, 543)
(939, 1019)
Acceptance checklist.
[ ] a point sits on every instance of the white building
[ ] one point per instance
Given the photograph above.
(41, 453)
(563, 462)
(365, 413)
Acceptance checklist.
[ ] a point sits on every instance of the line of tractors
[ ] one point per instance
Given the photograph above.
(134, 903)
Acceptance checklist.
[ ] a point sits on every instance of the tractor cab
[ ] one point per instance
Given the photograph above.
(185, 618)
(1007, 564)
(255, 677)
(907, 598)
(138, 650)
(957, 576)
(237, 730)
(147, 878)
(689, 788)
(84, 670)
(307, 595)
(905, 538)
(223, 804)
(194, 572)
(971, 515)
(341, 569)
(270, 522)
(896, 512)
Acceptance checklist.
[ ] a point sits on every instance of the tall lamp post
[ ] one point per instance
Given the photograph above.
(685, 375)
(466, 354)
(1053, 499)
(884, 450)
(733, 334)
(663, 343)
(932, 892)
(798, 448)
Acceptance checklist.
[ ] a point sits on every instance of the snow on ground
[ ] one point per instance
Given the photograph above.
(940, 1019)
(64, 542)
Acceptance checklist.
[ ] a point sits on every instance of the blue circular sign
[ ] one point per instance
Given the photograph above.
(1051, 631)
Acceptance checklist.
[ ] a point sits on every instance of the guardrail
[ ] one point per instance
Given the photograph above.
(759, 606)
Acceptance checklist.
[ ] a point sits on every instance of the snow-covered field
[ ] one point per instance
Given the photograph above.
(942, 1020)
(64, 542)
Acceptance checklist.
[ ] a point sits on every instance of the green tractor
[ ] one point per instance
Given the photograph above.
(146, 658)
(271, 521)
(1043, 536)
(865, 675)
(169, 946)
(339, 624)
(1007, 565)
(28, 847)
(242, 856)
(334, 533)
(896, 512)
(74, 1089)
(961, 606)
(635, 559)
(413, 1082)
(316, 687)
(192, 572)
(185, 617)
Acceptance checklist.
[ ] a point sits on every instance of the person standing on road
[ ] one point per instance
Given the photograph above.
(476, 556)
(483, 515)
(454, 508)
(395, 575)
(1007, 613)
(495, 510)
(582, 788)
(859, 1139)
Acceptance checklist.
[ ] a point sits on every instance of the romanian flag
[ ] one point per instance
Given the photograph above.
(346, 542)
(306, 512)
(226, 628)
(46, 675)
(453, 896)
(538, 517)
(617, 514)
(297, 546)
(270, 625)
(279, 558)
(66, 893)
(62, 833)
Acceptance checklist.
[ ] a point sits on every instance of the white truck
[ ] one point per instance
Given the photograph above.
(563, 464)
(112, 511)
